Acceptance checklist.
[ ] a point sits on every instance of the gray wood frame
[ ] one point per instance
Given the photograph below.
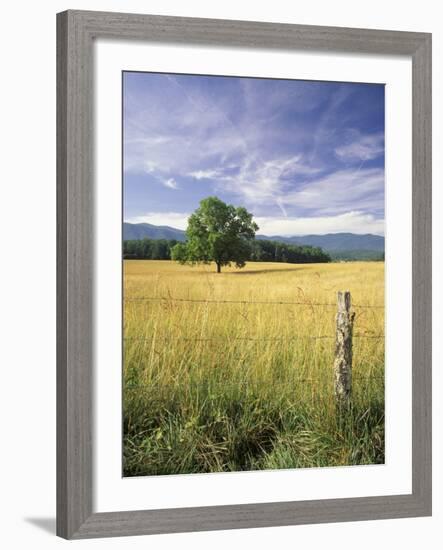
(76, 31)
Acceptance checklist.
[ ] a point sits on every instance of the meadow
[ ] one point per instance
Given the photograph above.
(221, 373)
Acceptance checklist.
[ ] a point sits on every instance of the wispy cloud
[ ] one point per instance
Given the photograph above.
(284, 183)
(362, 147)
(178, 220)
(342, 191)
(261, 182)
(207, 174)
(326, 123)
(170, 183)
(298, 150)
(350, 222)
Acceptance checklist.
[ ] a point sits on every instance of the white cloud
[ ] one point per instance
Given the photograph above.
(171, 183)
(262, 184)
(362, 148)
(337, 193)
(179, 220)
(260, 181)
(206, 174)
(350, 222)
(150, 167)
(148, 141)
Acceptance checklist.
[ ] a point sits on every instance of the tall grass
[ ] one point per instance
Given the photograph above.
(212, 387)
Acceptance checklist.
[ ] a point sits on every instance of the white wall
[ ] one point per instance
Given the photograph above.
(27, 384)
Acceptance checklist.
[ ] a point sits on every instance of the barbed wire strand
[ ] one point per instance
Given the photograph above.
(309, 304)
(246, 339)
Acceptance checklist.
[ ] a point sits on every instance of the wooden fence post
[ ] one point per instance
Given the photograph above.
(343, 349)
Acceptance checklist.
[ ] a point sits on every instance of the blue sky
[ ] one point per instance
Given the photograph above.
(304, 157)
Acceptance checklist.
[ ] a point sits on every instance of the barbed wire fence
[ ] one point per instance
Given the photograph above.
(344, 335)
(264, 302)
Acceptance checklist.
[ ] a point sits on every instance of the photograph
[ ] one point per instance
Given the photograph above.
(223, 333)
(253, 262)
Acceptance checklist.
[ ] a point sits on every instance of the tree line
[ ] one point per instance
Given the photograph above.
(260, 251)
(148, 249)
(276, 251)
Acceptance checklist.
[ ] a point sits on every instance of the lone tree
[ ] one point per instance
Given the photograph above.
(217, 232)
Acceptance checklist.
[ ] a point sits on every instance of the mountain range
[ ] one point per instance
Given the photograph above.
(137, 231)
(338, 245)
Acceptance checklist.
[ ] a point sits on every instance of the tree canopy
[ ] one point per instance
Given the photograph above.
(217, 232)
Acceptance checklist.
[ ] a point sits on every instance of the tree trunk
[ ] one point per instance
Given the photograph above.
(218, 268)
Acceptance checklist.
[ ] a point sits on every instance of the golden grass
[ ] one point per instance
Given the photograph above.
(228, 386)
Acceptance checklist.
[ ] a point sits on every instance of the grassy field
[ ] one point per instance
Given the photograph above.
(211, 387)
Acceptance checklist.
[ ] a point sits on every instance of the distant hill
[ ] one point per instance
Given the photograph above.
(137, 231)
(343, 246)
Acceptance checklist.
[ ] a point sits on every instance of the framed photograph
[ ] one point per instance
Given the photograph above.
(244, 274)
